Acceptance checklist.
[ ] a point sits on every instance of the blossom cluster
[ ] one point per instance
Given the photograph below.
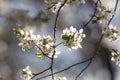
(26, 73)
(26, 40)
(116, 56)
(72, 38)
(105, 12)
(55, 5)
(111, 33)
(45, 44)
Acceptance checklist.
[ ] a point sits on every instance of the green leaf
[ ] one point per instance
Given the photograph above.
(17, 32)
(114, 50)
(94, 21)
(40, 55)
(44, 41)
(66, 37)
(24, 72)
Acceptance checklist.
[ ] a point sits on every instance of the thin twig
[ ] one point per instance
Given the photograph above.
(34, 75)
(59, 44)
(94, 14)
(54, 35)
(67, 68)
(95, 52)
(43, 52)
(114, 13)
(83, 69)
(56, 19)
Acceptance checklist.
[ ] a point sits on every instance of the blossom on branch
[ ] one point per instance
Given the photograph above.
(26, 73)
(46, 44)
(103, 15)
(111, 33)
(26, 39)
(53, 5)
(72, 38)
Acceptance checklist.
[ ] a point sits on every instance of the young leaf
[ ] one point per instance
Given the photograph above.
(114, 50)
(94, 21)
(40, 55)
(17, 32)
(66, 37)
(44, 41)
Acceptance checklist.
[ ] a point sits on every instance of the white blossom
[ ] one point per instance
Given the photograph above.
(56, 54)
(73, 38)
(116, 57)
(26, 73)
(46, 44)
(26, 40)
(61, 78)
(53, 6)
(105, 12)
(111, 33)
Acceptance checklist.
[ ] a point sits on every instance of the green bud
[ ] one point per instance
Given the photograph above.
(44, 41)
(66, 37)
(115, 51)
(40, 55)
(24, 72)
(94, 21)
(17, 32)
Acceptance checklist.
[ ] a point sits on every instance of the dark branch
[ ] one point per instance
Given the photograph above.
(67, 68)
(84, 69)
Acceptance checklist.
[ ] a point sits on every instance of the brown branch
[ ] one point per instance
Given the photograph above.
(67, 68)
(84, 69)
(94, 15)
(59, 44)
(34, 75)
(43, 52)
(99, 42)
(54, 35)
(114, 13)
(56, 19)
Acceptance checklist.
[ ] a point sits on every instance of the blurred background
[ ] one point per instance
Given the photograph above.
(32, 15)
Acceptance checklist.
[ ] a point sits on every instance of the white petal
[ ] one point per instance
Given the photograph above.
(81, 30)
